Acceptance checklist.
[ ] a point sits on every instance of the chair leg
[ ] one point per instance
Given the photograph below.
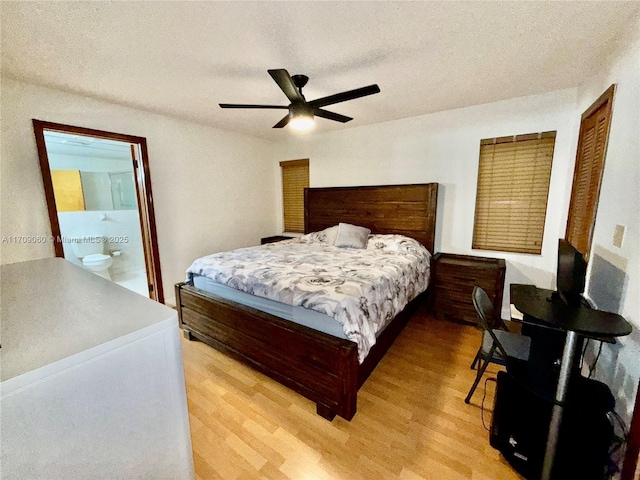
(481, 370)
(475, 359)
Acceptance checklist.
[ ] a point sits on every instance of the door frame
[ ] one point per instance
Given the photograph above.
(142, 177)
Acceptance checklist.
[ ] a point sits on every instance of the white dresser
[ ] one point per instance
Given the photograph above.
(91, 379)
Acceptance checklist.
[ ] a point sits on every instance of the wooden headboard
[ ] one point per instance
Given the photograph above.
(402, 209)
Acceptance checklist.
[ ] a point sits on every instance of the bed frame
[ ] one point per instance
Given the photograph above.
(319, 366)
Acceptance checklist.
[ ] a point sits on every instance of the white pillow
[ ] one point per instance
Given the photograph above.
(397, 244)
(331, 234)
(326, 236)
(352, 236)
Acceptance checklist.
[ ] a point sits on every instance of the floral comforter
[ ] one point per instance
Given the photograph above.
(362, 289)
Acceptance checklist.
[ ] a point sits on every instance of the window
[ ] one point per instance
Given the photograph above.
(295, 178)
(587, 175)
(513, 186)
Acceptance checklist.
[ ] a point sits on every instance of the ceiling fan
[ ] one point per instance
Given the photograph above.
(301, 112)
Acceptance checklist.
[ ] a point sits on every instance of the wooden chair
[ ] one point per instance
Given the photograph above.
(498, 346)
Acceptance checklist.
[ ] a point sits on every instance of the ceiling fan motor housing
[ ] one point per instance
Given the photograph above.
(299, 109)
(300, 81)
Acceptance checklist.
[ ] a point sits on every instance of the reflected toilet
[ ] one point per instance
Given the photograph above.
(90, 249)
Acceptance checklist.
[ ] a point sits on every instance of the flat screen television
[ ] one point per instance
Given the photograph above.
(571, 275)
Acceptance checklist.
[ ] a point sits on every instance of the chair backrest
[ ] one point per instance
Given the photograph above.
(487, 317)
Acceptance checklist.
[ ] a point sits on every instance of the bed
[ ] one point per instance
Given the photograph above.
(322, 367)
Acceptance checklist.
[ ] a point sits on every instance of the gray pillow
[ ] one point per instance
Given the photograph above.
(352, 236)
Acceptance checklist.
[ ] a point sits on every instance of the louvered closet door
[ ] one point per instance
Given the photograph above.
(587, 177)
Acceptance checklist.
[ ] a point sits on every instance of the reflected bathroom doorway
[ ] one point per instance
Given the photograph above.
(98, 192)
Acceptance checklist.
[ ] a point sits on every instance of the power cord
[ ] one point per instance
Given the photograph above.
(592, 368)
(484, 395)
(584, 351)
(616, 449)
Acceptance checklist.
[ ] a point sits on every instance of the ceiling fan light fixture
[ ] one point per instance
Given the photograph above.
(302, 122)
(301, 118)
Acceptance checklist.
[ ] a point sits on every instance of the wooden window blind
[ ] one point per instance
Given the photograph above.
(295, 178)
(587, 175)
(513, 187)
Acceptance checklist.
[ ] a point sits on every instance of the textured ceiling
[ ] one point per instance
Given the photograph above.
(183, 58)
(83, 146)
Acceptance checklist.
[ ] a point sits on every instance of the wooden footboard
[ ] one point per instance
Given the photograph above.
(321, 367)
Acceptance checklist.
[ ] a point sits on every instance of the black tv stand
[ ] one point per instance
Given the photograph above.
(577, 321)
(554, 297)
(559, 298)
(521, 418)
(567, 300)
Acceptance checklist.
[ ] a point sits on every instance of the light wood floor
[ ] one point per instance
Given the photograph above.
(412, 422)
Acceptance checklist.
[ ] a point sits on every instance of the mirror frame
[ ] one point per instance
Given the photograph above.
(142, 177)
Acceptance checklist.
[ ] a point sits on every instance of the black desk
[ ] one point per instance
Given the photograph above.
(538, 309)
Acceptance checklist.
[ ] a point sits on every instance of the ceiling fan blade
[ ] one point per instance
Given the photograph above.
(282, 123)
(318, 112)
(344, 96)
(238, 105)
(285, 82)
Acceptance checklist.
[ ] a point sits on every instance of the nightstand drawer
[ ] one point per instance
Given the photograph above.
(466, 285)
(466, 272)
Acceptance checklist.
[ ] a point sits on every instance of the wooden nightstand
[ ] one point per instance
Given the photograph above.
(273, 239)
(453, 278)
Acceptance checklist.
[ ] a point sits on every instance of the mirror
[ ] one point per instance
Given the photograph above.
(90, 175)
(77, 190)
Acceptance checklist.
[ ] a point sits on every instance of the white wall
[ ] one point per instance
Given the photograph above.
(444, 147)
(614, 277)
(212, 190)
